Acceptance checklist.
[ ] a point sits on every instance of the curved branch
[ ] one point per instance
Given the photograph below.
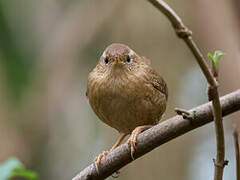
(184, 33)
(158, 135)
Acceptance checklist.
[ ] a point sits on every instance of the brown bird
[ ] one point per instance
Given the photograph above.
(126, 93)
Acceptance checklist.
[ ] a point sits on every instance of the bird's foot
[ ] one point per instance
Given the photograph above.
(133, 138)
(132, 142)
(98, 159)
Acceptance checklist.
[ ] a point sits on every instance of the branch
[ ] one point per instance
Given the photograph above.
(158, 135)
(236, 145)
(184, 33)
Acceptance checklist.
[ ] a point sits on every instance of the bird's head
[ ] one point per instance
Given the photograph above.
(118, 58)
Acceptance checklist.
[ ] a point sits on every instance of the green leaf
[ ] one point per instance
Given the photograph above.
(210, 57)
(216, 57)
(14, 168)
(8, 166)
(21, 172)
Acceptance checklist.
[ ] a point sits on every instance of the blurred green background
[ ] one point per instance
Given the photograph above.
(47, 49)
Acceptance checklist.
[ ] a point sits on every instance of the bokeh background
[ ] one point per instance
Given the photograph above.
(47, 49)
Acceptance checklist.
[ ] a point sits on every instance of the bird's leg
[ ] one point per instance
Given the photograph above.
(100, 156)
(133, 138)
(120, 139)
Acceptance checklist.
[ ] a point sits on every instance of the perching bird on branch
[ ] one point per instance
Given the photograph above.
(126, 93)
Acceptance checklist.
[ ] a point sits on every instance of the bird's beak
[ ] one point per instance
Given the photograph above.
(118, 64)
(117, 59)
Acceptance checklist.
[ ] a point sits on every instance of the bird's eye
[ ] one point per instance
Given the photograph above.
(106, 60)
(129, 59)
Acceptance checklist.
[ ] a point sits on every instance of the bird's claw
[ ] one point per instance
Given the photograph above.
(99, 158)
(133, 138)
(132, 142)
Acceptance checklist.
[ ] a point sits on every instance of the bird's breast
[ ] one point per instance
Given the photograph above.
(125, 102)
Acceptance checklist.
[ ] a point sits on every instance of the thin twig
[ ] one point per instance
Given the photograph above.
(184, 33)
(236, 145)
(158, 135)
(185, 114)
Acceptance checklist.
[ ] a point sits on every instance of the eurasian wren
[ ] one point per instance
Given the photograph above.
(126, 93)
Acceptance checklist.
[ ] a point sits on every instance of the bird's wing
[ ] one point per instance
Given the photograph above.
(158, 82)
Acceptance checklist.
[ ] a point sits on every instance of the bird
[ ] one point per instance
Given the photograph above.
(126, 93)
